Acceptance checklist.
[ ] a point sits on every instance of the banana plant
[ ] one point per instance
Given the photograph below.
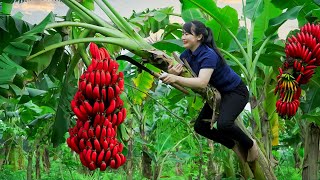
(120, 33)
(124, 35)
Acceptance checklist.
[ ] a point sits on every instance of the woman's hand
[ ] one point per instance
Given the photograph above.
(194, 82)
(168, 78)
(175, 69)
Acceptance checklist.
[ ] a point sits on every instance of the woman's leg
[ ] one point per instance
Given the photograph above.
(203, 128)
(232, 104)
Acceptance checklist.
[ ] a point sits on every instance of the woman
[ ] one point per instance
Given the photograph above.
(206, 61)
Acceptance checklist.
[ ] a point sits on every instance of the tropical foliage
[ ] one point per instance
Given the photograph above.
(40, 66)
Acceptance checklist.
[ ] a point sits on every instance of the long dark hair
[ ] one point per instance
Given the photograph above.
(197, 28)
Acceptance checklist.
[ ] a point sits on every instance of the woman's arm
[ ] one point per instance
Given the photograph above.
(194, 83)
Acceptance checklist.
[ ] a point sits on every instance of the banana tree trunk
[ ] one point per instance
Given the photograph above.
(38, 170)
(46, 159)
(229, 168)
(312, 153)
(266, 139)
(20, 155)
(212, 170)
(261, 168)
(129, 164)
(156, 173)
(29, 167)
(146, 160)
(12, 156)
(179, 169)
(146, 163)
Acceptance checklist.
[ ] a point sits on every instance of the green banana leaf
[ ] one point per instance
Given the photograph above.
(261, 22)
(253, 9)
(307, 6)
(227, 15)
(310, 106)
(150, 21)
(276, 22)
(169, 46)
(143, 82)
(10, 29)
(230, 18)
(41, 62)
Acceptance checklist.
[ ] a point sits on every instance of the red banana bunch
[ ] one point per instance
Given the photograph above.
(302, 57)
(99, 111)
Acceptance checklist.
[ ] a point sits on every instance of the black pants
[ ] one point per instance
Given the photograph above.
(232, 104)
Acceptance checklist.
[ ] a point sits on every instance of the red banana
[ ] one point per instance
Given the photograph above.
(107, 156)
(111, 65)
(103, 166)
(92, 166)
(97, 77)
(100, 157)
(121, 84)
(96, 120)
(100, 65)
(106, 53)
(78, 113)
(86, 125)
(92, 77)
(109, 133)
(117, 90)
(111, 146)
(98, 131)
(114, 119)
(73, 104)
(91, 133)
(104, 94)
(123, 159)
(111, 107)
(96, 107)
(89, 90)
(88, 107)
(118, 161)
(103, 133)
(110, 93)
(105, 65)
(94, 156)
(121, 75)
(101, 107)
(119, 118)
(115, 151)
(83, 85)
(108, 78)
(120, 147)
(105, 145)
(97, 145)
(94, 50)
(82, 144)
(89, 144)
(114, 78)
(82, 159)
(96, 92)
(83, 111)
(102, 78)
(88, 155)
(113, 164)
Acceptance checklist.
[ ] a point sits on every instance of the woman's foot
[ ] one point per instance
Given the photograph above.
(253, 152)
(241, 153)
